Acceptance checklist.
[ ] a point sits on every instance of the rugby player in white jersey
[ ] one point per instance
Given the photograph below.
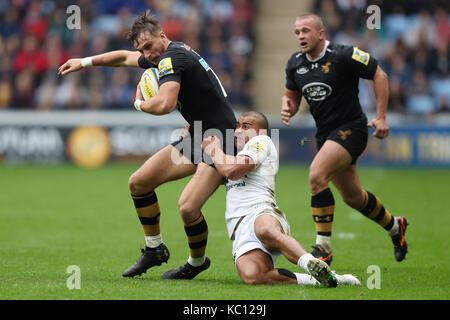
(259, 229)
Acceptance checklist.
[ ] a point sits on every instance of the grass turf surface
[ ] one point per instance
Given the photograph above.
(53, 217)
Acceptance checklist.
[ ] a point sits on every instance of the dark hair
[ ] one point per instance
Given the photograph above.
(145, 22)
(260, 117)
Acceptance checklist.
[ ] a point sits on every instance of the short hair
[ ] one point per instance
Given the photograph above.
(319, 22)
(145, 22)
(260, 117)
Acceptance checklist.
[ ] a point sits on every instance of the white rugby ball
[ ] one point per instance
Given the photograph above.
(149, 83)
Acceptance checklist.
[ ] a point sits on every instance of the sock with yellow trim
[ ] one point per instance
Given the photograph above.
(148, 212)
(322, 209)
(374, 210)
(197, 236)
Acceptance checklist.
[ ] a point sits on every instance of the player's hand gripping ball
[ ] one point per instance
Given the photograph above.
(149, 83)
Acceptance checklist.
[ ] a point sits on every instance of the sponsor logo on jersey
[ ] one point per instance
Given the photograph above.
(316, 91)
(314, 65)
(302, 70)
(234, 185)
(360, 56)
(165, 67)
(204, 64)
(256, 147)
(185, 46)
(326, 67)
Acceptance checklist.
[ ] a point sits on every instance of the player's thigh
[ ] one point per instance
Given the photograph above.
(331, 159)
(202, 185)
(251, 265)
(349, 186)
(160, 168)
(267, 229)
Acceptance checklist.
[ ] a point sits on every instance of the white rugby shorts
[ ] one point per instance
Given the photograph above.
(245, 238)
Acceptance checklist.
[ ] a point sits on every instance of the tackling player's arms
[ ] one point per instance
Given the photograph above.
(231, 167)
(290, 103)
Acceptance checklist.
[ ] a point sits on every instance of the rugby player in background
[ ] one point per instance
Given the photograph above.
(258, 228)
(327, 75)
(184, 76)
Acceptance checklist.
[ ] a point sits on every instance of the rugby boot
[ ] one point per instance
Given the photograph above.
(346, 279)
(320, 253)
(322, 273)
(186, 271)
(150, 257)
(400, 245)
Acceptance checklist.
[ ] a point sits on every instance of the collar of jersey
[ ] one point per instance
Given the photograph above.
(322, 53)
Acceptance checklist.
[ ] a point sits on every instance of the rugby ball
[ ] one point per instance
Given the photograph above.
(149, 83)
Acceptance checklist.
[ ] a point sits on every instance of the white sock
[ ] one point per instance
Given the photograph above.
(196, 262)
(303, 278)
(324, 241)
(153, 241)
(303, 261)
(394, 230)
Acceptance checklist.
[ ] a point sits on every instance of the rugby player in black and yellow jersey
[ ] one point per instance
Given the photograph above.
(188, 83)
(327, 76)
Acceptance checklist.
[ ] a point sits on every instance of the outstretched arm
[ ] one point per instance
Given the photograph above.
(381, 89)
(118, 58)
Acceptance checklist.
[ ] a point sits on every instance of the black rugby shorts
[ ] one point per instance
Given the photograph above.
(353, 136)
(192, 149)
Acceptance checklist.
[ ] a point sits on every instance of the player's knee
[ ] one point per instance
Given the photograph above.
(268, 236)
(137, 185)
(317, 181)
(188, 210)
(251, 278)
(133, 183)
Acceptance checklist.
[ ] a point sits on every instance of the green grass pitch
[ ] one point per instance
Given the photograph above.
(54, 217)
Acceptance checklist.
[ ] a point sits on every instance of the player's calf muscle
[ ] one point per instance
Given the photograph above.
(355, 201)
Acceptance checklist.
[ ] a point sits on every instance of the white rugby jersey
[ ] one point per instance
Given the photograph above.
(258, 186)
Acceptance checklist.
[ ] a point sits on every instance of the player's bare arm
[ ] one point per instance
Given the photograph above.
(117, 58)
(290, 103)
(163, 103)
(231, 167)
(381, 89)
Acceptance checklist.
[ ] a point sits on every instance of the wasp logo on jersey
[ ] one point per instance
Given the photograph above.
(360, 56)
(165, 67)
(326, 67)
(316, 91)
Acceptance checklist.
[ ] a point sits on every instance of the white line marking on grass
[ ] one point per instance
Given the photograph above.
(346, 235)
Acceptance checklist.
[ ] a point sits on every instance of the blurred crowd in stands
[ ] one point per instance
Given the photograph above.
(35, 41)
(412, 46)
